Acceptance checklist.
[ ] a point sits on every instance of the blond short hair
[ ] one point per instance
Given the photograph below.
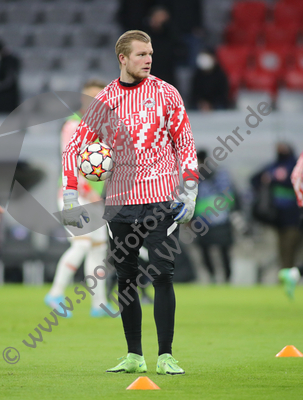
(124, 43)
(94, 82)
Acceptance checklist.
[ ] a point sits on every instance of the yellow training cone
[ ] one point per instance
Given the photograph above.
(142, 383)
(289, 351)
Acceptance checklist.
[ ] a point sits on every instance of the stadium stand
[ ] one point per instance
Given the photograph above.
(56, 38)
(270, 36)
(245, 13)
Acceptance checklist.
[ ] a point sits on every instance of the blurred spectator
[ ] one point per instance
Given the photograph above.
(132, 14)
(187, 21)
(291, 276)
(9, 72)
(276, 202)
(209, 88)
(220, 233)
(165, 44)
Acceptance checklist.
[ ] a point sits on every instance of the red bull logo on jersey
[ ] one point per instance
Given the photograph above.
(149, 103)
(135, 119)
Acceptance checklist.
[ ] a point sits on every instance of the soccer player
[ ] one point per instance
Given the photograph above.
(151, 140)
(291, 276)
(92, 246)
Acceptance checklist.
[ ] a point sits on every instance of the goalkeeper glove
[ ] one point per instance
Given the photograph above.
(72, 211)
(189, 202)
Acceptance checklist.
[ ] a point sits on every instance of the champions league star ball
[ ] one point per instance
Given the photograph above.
(96, 161)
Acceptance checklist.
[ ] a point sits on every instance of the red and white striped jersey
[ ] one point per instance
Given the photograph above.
(297, 180)
(67, 131)
(148, 128)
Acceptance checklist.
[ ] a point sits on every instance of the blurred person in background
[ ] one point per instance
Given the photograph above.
(187, 20)
(209, 86)
(9, 73)
(90, 247)
(165, 44)
(275, 193)
(291, 276)
(132, 14)
(220, 233)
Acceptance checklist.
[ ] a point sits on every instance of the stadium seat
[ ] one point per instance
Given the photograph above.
(67, 13)
(293, 76)
(289, 101)
(54, 35)
(271, 60)
(23, 13)
(294, 3)
(32, 83)
(240, 35)
(287, 15)
(257, 79)
(65, 81)
(99, 12)
(293, 79)
(249, 12)
(89, 36)
(16, 35)
(74, 61)
(274, 34)
(296, 59)
(39, 59)
(233, 60)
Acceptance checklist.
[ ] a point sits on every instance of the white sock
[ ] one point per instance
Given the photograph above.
(295, 274)
(94, 258)
(68, 264)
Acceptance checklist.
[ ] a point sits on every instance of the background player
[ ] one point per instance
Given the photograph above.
(90, 247)
(291, 276)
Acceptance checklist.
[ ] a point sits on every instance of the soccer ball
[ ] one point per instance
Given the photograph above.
(96, 161)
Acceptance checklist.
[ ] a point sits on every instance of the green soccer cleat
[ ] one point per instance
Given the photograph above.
(167, 365)
(289, 277)
(133, 363)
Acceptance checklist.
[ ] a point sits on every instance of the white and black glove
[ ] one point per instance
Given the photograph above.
(188, 199)
(72, 211)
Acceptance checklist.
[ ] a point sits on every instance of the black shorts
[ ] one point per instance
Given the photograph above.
(160, 237)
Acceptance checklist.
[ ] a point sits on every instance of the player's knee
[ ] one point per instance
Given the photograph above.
(83, 245)
(163, 278)
(126, 278)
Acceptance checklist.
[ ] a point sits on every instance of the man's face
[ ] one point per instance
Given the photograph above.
(137, 65)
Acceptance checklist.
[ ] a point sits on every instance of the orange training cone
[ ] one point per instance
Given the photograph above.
(142, 383)
(289, 351)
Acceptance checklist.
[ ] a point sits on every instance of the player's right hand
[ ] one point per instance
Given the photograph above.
(72, 210)
(188, 203)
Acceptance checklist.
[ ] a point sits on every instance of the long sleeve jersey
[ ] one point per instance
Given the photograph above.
(148, 128)
(297, 180)
(85, 187)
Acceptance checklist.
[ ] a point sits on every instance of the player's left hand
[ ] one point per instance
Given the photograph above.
(72, 210)
(189, 202)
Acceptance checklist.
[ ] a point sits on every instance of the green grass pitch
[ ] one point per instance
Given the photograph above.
(226, 339)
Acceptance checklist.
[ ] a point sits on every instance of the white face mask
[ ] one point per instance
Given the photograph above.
(205, 61)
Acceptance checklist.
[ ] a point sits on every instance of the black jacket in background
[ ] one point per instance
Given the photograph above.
(9, 90)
